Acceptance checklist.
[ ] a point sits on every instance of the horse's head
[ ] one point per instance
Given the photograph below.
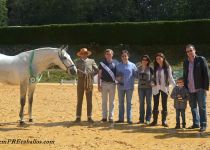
(66, 61)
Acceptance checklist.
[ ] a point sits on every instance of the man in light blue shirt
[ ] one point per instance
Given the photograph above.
(126, 72)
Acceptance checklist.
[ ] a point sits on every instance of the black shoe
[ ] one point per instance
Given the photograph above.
(77, 120)
(202, 129)
(111, 121)
(119, 121)
(193, 127)
(103, 120)
(153, 123)
(90, 120)
(129, 122)
(140, 122)
(177, 127)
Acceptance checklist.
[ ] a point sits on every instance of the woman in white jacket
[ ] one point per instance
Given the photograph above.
(162, 79)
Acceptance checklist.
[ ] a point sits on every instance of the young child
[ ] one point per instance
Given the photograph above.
(180, 95)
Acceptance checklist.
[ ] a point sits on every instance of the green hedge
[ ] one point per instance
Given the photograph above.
(146, 33)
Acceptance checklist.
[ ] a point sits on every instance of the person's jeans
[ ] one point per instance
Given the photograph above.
(145, 93)
(182, 111)
(108, 94)
(121, 97)
(198, 99)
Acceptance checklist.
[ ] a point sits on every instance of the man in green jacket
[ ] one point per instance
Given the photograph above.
(87, 68)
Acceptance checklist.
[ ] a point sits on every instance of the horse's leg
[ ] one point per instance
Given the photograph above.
(31, 89)
(23, 90)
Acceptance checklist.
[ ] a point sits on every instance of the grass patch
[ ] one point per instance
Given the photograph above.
(55, 76)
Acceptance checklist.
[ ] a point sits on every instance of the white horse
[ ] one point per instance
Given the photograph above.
(24, 69)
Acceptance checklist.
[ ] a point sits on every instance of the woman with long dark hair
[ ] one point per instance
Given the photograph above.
(162, 79)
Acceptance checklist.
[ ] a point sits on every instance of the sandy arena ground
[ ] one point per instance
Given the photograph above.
(54, 113)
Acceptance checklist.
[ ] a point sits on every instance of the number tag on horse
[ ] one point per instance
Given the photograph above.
(32, 79)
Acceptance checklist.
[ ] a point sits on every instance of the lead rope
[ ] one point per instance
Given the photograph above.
(88, 83)
(88, 86)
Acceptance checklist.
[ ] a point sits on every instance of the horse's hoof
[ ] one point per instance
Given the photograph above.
(30, 120)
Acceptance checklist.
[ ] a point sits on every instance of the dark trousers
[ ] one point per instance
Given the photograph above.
(156, 98)
(80, 94)
(182, 112)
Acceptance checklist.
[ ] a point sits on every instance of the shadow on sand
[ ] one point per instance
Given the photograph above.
(4, 127)
(159, 132)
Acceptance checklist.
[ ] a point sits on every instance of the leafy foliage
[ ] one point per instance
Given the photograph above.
(39, 12)
(3, 13)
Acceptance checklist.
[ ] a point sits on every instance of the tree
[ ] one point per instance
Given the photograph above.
(175, 10)
(199, 9)
(3, 13)
(38, 12)
(114, 11)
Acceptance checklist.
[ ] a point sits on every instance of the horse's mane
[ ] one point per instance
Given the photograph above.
(40, 49)
(45, 48)
(28, 51)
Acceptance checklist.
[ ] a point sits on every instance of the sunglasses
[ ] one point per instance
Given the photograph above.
(144, 60)
(189, 51)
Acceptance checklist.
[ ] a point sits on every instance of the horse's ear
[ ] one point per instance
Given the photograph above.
(66, 47)
(62, 47)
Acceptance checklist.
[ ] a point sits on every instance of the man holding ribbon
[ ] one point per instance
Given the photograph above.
(107, 85)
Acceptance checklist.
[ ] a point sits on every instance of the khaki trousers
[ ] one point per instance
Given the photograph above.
(80, 94)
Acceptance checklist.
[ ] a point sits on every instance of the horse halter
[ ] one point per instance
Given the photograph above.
(62, 58)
